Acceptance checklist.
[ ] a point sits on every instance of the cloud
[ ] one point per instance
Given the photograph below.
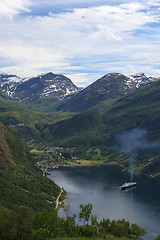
(84, 43)
(9, 8)
(75, 3)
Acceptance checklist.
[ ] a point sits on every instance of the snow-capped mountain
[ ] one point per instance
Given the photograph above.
(44, 86)
(139, 80)
(109, 87)
(58, 87)
(9, 83)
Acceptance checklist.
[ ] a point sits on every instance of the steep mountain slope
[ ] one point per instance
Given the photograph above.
(108, 88)
(28, 123)
(47, 91)
(80, 129)
(8, 104)
(139, 109)
(91, 129)
(44, 86)
(20, 182)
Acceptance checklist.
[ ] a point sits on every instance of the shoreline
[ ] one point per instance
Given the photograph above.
(60, 204)
(57, 200)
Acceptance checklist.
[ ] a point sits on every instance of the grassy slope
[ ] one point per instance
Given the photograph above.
(20, 182)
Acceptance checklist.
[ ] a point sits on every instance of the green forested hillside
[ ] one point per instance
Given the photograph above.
(138, 110)
(79, 130)
(92, 133)
(29, 124)
(20, 182)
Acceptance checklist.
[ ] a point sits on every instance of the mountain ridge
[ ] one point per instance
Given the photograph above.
(137, 109)
(48, 92)
(109, 87)
(47, 85)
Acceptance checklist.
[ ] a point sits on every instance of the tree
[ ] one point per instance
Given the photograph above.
(158, 237)
(49, 221)
(85, 212)
(136, 231)
(118, 230)
(23, 223)
(6, 224)
(104, 226)
(66, 209)
(94, 221)
(40, 234)
(69, 227)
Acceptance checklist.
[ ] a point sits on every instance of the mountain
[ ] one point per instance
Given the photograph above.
(136, 112)
(105, 90)
(140, 80)
(139, 109)
(79, 130)
(45, 86)
(50, 92)
(21, 183)
(15, 115)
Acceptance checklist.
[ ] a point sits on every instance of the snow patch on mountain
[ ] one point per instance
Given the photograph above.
(42, 86)
(57, 86)
(140, 80)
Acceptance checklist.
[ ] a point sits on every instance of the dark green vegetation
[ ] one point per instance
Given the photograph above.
(20, 181)
(92, 129)
(108, 88)
(92, 133)
(47, 225)
(29, 124)
(137, 110)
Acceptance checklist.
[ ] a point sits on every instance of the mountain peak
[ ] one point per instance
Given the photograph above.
(48, 85)
(109, 87)
(140, 80)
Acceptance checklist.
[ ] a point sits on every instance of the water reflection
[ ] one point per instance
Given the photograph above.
(101, 187)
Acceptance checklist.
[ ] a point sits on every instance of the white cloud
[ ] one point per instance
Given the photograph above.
(90, 40)
(83, 79)
(10, 8)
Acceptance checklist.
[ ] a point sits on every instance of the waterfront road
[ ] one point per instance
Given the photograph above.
(57, 200)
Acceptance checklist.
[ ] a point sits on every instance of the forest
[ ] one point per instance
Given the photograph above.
(47, 225)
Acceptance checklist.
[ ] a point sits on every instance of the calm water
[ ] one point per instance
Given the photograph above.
(100, 186)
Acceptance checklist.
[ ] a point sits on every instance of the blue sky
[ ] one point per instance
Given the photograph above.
(82, 39)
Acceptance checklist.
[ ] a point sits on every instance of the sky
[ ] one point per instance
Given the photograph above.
(82, 39)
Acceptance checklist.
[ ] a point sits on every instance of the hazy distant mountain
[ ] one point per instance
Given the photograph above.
(41, 87)
(110, 87)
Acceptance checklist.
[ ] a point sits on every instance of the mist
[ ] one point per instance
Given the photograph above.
(131, 142)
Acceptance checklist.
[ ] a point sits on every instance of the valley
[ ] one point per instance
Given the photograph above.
(115, 121)
(96, 127)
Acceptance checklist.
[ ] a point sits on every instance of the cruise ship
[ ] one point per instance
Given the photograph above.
(128, 185)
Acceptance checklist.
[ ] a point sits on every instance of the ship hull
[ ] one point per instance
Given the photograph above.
(128, 185)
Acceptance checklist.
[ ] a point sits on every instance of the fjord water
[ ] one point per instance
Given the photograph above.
(100, 186)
